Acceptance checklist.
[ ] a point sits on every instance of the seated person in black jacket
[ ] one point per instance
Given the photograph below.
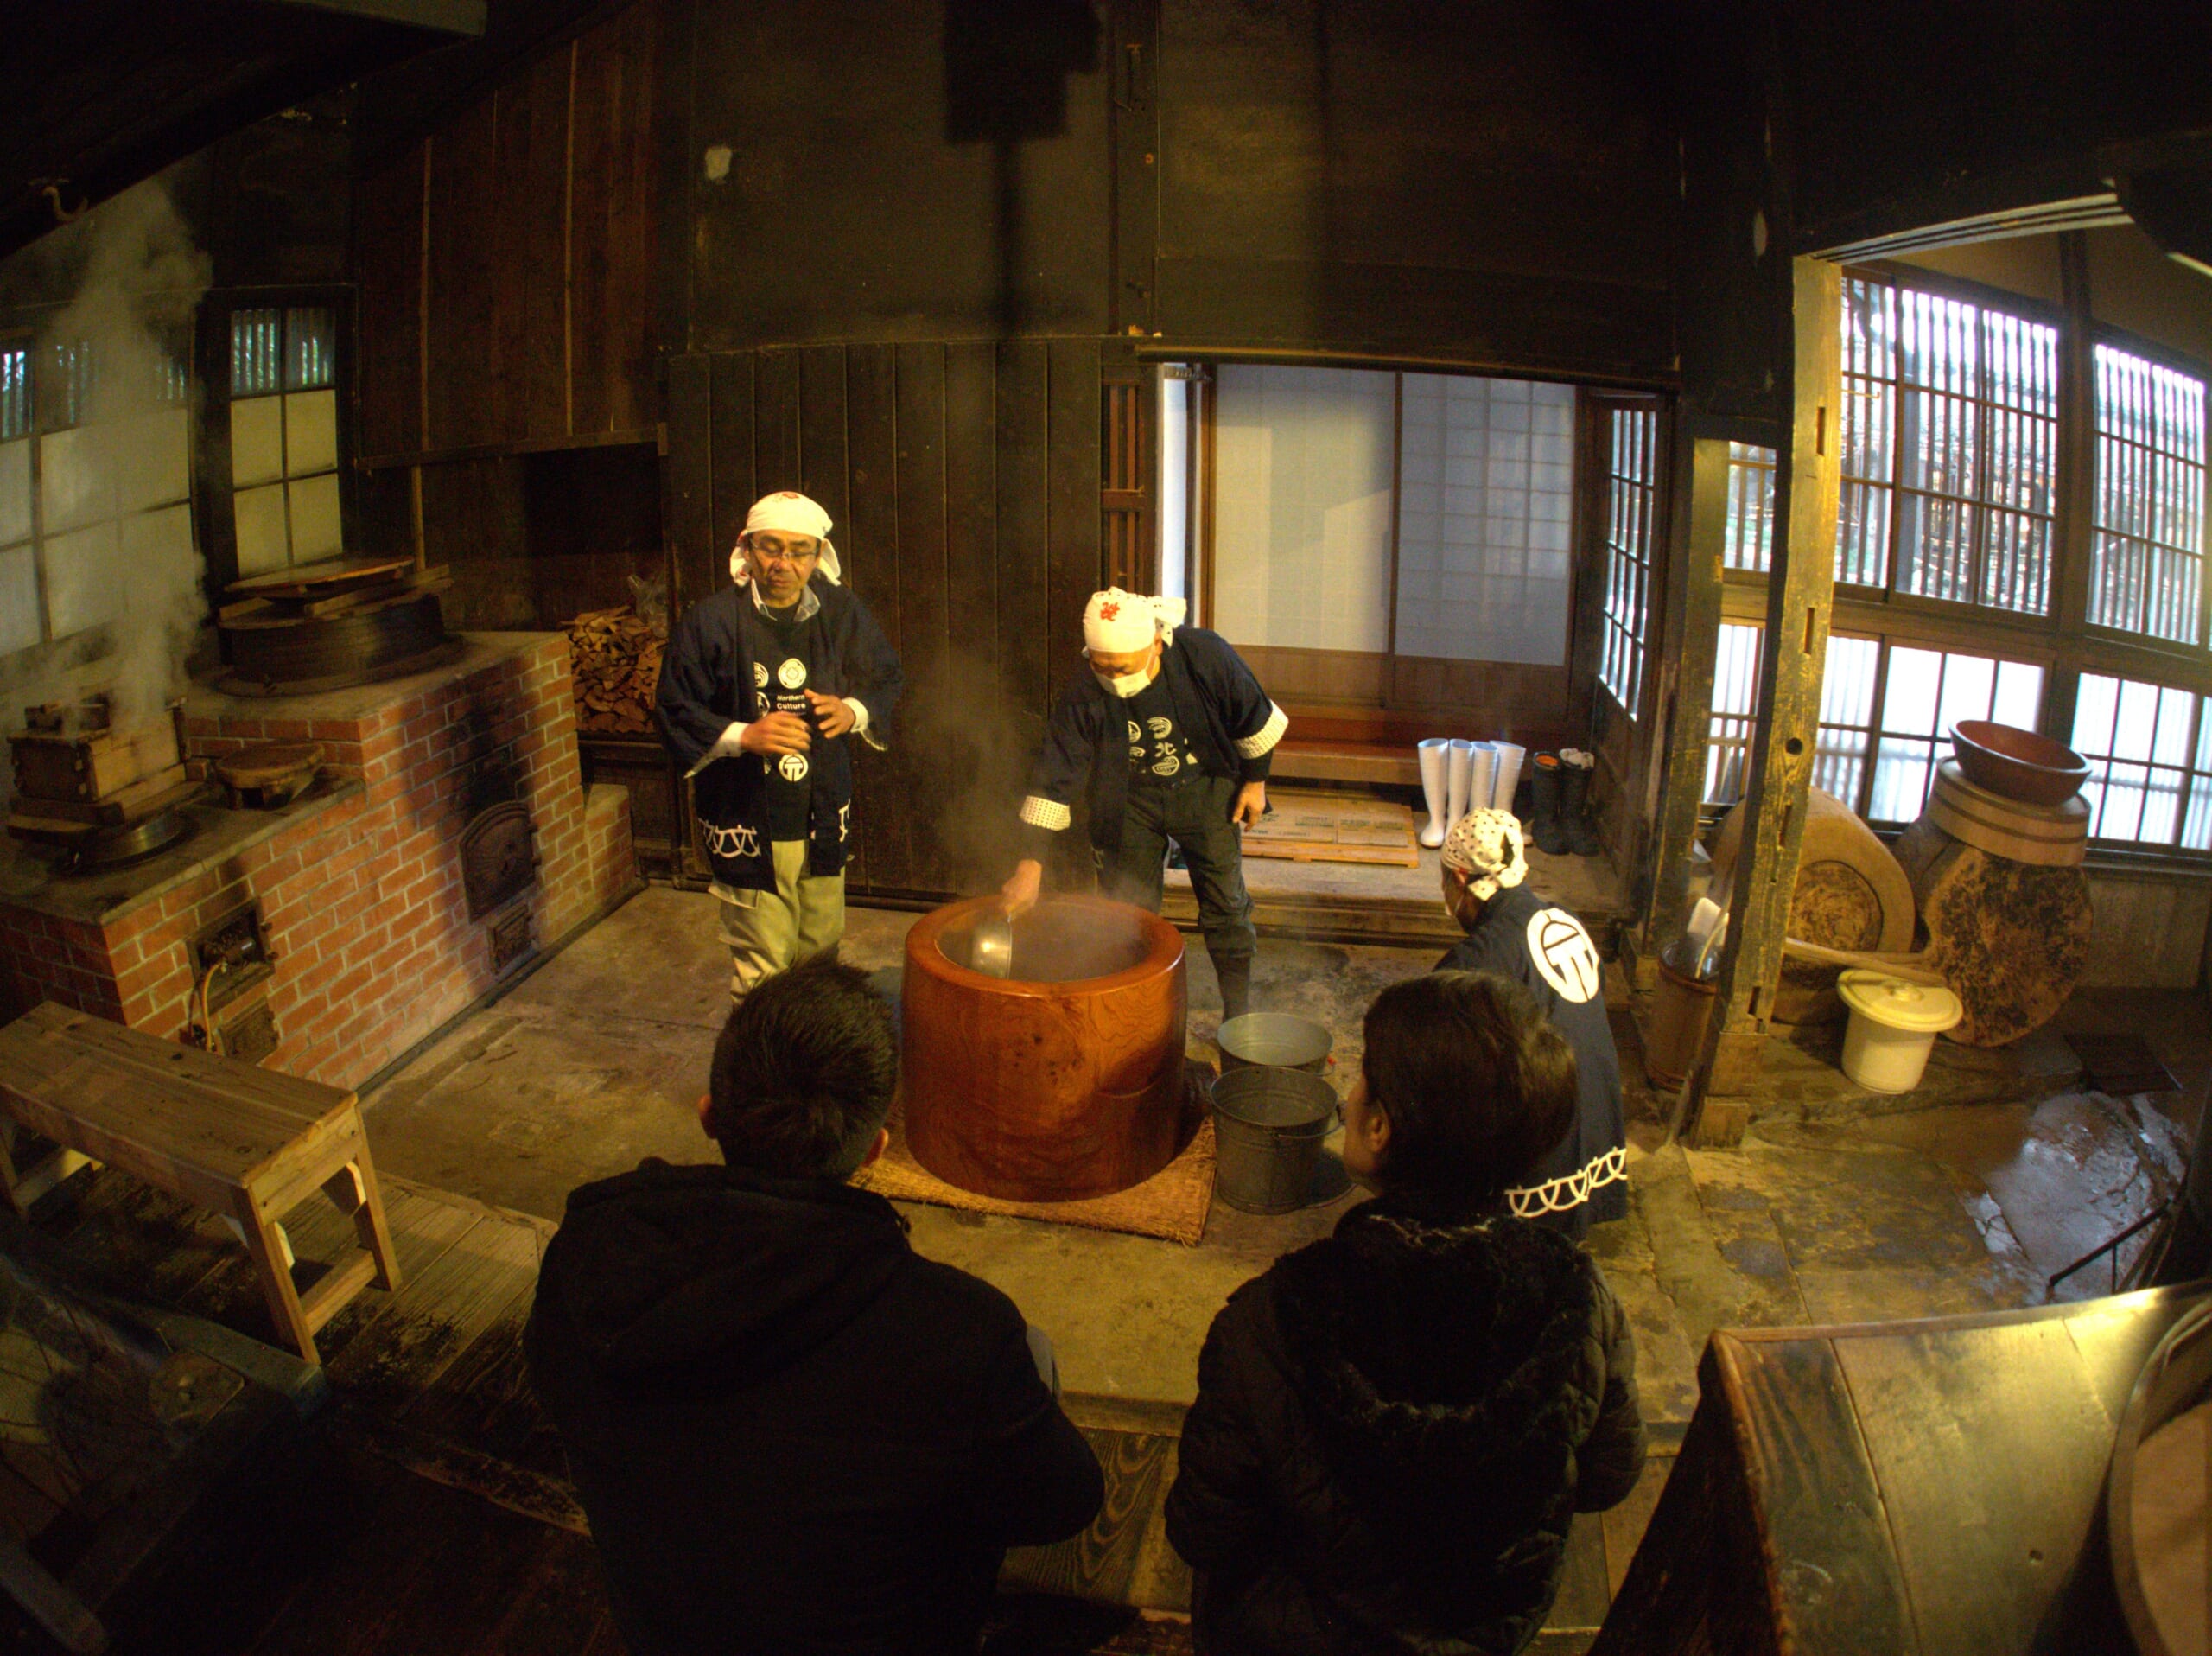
(1395, 1426)
(789, 1430)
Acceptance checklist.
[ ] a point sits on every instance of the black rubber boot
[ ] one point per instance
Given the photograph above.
(1233, 973)
(1545, 780)
(1574, 810)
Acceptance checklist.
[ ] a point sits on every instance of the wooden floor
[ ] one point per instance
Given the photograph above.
(457, 1530)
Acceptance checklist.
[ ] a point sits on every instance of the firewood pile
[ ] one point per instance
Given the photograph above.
(616, 657)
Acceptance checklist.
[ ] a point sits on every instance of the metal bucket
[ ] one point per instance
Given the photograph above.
(1269, 1124)
(1276, 1040)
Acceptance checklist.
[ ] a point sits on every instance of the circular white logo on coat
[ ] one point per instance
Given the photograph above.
(760, 675)
(1564, 954)
(1135, 734)
(1160, 728)
(794, 766)
(1166, 765)
(791, 674)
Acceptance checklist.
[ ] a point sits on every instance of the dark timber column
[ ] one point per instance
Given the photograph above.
(1800, 592)
(1691, 637)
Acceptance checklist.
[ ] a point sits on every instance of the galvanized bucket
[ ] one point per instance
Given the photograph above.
(1275, 1039)
(1269, 1124)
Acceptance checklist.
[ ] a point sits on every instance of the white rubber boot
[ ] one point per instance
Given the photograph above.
(1480, 774)
(1458, 774)
(1435, 755)
(1509, 775)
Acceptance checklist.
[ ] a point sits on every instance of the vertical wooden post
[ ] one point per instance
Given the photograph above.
(1801, 589)
(1692, 638)
(2076, 483)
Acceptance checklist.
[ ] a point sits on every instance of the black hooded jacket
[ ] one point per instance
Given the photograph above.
(1394, 1428)
(792, 1432)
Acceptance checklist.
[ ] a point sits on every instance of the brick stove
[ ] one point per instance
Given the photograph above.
(450, 837)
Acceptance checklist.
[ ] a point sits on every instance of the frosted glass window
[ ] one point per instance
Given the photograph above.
(75, 486)
(2150, 762)
(257, 442)
(19, 617)
(284, 435)
(264, 543)
(1926, 692)
(1735, 710)
(84, 578)
(162, 539)
(1486, 514)
(150, 456)
(15, 491)
(314, 502)
(1302, 507)
(310, 432)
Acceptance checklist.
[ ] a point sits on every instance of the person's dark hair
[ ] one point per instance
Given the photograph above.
(804, 1074)
(1478, 1086)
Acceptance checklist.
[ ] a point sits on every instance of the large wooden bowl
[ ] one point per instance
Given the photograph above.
(1063, 1080)
(2017, 764)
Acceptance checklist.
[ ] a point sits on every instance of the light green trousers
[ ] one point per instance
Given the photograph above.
(767, 931)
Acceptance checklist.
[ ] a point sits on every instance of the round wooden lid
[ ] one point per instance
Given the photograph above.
(265, 762)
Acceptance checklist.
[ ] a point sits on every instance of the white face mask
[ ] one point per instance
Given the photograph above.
(1124, 685)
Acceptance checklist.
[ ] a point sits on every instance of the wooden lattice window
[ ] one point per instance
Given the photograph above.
(1126, 501)
(1750, 540)
(2147, 555)
(1631, 514)
(1951, 447)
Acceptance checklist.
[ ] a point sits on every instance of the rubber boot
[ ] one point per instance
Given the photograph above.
(1435, 755)
(1574, 808)
(1482, 773)
(1458, 773)
(1233, 973)
(1544, 784)
(1507, 777)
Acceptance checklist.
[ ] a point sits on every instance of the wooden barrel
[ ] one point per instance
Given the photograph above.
(2048, 836)
(1850, 895)
(1062, 1080)
(2011, 938)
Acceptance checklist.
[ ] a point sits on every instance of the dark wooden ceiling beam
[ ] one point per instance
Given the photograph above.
(445, 16)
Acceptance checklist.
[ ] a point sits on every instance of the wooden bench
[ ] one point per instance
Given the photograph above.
(243, 1143)
(1297, 759)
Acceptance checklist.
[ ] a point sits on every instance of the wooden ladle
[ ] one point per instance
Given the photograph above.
(1913, 968)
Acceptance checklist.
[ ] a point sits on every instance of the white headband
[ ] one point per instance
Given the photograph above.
(1116, 622)
(786, 513)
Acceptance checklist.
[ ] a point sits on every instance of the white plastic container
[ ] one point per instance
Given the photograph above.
(1893, 1026)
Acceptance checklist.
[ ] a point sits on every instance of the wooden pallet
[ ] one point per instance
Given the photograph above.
(1335, 828)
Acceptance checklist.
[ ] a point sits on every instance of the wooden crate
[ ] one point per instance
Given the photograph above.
(1312, 827)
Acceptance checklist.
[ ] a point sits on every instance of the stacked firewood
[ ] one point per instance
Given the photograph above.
(616, 657)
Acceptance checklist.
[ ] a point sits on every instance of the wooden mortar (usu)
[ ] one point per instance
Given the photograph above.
(1063, 1080)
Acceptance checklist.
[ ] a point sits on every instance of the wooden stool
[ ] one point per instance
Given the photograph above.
(242, 1142)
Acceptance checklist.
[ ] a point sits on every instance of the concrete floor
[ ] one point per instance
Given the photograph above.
(595, 1062)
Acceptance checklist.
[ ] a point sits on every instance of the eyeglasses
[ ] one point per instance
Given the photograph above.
(775, 551)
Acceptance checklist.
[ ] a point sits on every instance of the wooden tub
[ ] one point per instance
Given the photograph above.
(1064, 1079)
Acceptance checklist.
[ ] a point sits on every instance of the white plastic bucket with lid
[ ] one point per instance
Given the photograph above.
(1893, 1026)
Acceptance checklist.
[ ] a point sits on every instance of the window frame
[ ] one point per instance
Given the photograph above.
(2177, 362)
(215, 504)
(2062, 639)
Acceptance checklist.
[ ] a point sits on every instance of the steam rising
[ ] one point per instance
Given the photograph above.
(123, 598)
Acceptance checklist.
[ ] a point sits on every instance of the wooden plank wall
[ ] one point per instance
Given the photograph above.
(963, 480)
(508, 261)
